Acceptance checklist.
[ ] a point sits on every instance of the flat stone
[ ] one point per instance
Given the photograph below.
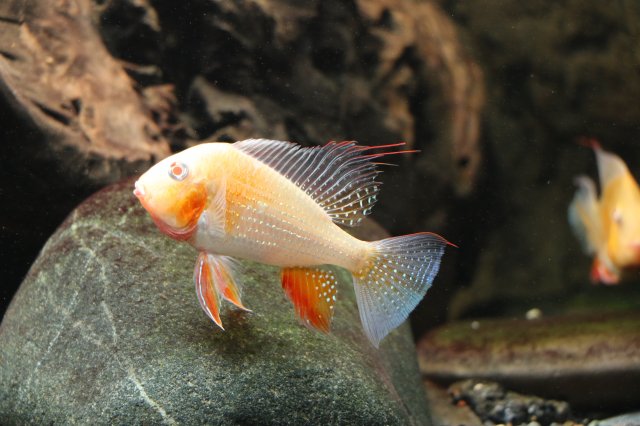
(584, 359)
(106, 329)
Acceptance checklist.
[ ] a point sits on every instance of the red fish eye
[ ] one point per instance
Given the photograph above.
(178, 171)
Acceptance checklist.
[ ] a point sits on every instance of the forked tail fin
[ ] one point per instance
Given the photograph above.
(395, 278)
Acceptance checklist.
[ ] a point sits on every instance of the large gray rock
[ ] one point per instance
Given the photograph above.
(106, 328)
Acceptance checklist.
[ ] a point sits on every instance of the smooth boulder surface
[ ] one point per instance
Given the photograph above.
(106, 329)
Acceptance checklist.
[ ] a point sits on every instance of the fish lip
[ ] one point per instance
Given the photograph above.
(139, 190)
(140, 193)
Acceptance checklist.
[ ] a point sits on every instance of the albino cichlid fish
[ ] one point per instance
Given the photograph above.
(608, 226)
(277, 203)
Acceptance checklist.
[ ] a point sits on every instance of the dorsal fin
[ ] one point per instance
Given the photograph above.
(610, 166)
(338, 175)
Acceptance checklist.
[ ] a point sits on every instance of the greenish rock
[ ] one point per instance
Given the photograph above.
(587, 359)
(106, 329)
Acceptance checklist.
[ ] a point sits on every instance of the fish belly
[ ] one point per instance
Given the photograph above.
(271, 220)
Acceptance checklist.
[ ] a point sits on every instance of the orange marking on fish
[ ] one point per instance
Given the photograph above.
(191, 206)
(313, 294)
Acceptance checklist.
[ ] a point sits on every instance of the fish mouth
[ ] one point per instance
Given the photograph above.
(139, 190)
(180, 234)
(141, 194)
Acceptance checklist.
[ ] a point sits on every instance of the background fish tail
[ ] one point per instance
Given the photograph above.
(395, 278)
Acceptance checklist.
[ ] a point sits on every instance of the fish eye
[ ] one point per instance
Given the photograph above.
(178, 171)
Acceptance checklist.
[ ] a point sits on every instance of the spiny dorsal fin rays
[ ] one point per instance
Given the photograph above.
(338, 176)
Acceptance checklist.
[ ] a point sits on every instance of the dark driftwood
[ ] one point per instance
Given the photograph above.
(58, 75)
(454, 79)
(72, 121)
(88, 88)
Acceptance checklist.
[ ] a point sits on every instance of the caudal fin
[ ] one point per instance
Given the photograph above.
(396, 277)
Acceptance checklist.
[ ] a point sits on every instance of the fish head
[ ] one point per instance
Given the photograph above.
(622, 211)
(174, 192)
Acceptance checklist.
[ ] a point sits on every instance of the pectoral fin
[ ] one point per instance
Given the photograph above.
(223, 268)
(584, 215)
(313, 294)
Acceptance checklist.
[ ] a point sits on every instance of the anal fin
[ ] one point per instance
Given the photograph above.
(313, 294)
(214, 278)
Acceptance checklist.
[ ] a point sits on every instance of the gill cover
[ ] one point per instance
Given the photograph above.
(174, 196)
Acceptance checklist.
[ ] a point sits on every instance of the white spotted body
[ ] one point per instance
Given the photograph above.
(277, 203)
(274, 223)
